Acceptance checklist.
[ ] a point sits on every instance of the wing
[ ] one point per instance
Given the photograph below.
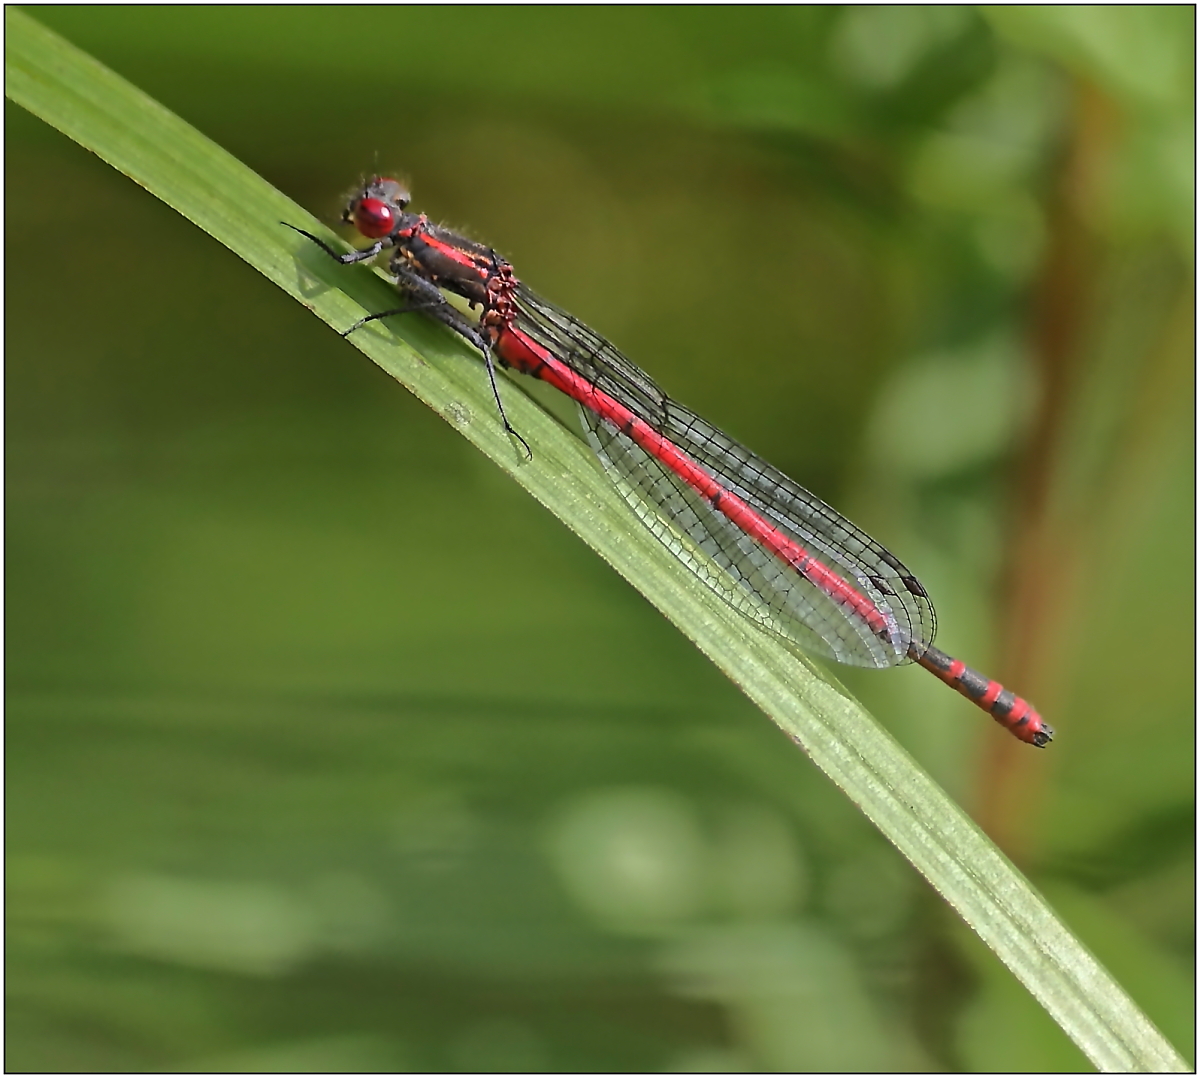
(748, 575)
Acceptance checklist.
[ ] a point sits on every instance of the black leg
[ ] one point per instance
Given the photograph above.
(347, 258)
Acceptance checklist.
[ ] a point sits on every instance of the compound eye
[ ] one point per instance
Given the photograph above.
(374, 218)
(393, 191)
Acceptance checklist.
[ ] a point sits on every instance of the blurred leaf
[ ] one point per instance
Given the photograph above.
(780, 99)
(880, 45)
(1143, 54)
(1143, 57)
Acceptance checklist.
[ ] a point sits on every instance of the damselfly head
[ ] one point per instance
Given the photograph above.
(377, 209)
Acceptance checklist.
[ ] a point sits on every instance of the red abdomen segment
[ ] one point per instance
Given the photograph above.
(1009, 710)
(524, 354)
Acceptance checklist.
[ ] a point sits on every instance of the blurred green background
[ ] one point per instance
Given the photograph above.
(329, 749)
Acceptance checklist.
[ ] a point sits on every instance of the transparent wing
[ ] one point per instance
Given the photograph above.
(752, 578)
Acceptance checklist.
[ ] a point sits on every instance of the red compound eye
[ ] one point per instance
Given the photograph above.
(374, 218)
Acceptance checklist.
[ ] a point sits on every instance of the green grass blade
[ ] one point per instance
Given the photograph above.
(91, 105)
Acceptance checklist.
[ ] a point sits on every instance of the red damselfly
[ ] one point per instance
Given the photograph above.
(766, 545)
